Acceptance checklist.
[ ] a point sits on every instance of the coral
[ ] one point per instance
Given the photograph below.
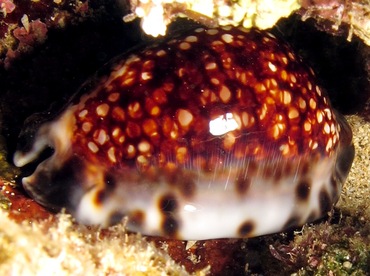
(339, 17)
(327, 249)
(156, 15)
(24, 24)
(63, 248)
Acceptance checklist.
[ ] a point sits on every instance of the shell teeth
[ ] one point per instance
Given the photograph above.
(55, 135)
(21, 159)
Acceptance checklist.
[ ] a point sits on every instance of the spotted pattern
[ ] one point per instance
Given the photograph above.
(303, 190)
(246, 229)
(214, 133)
(168, 206)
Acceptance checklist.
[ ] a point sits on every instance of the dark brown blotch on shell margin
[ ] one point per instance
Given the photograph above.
(137, 218)
(246, 229)
(102, 194)
(99, 197)
(182, 181)
(187, 186)
(324, 201)
(167, 203)
(242, 185)
(109, 181)
(304, 168)
(293, 221)
(170, 227)
(303, 190)
(252, 168)
(168, 206)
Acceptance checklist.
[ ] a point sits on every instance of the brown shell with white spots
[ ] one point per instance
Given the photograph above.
(187, 125)
(156, 107)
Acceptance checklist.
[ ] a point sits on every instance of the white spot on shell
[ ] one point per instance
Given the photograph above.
(83, 113)
(270, 35)
(116, 132)
(312, 103)
(293, 113)
(102, 137)
(191, 38)
(228, 38)
(328, 113)
(102, 110)
(113, 97)
(332, 128)
(131, 150)
(225, 94)
(319, 116)
(284, 75)
(302, 103)
(291, 56)
(161, 53)
(128, 81)
(263, 111)
(284, 59)
(211, 66)
(226, 28)
(284, 149)
(86, 127)
(329, 145)
(146, 76)
(309, 85)
(272, 67)
(212, 31)
(111, 155)
(307, 126)
(222, 124)
(260, 88)
(292, 77)
(92, 147)
(287, 97)
(215, 81)
(185, 117)
(184, 46)
(248, 119)
(144, 147)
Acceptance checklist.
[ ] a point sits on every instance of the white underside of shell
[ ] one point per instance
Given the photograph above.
(216, 210)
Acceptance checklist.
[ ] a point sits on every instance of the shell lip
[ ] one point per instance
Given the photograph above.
(347, 151)
(29, 162)
(344, 161)
(55, 189)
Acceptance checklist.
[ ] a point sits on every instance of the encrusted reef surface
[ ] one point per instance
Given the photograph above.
(42, 74)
